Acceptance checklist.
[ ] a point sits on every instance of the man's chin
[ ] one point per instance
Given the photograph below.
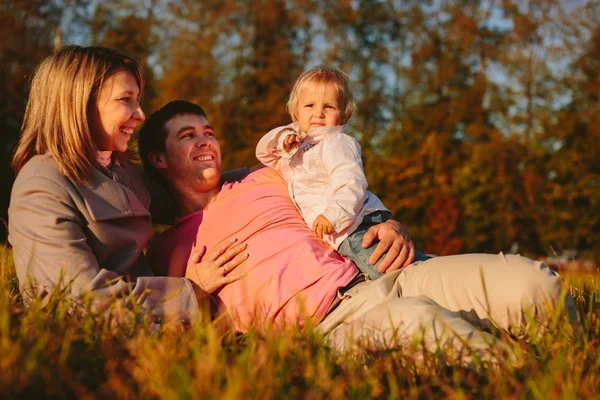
(211, 174)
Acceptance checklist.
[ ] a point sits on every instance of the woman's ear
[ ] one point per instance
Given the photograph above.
(157, 159)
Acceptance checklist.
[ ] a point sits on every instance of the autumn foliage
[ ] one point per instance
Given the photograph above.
(479, 121)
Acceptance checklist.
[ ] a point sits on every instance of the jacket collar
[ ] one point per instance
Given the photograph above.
(121, 195)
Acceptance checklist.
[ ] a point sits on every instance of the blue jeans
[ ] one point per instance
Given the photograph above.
(352, 248)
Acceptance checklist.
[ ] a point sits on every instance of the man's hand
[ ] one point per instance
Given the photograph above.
(393, 238)
(290, 142)
(322, 226)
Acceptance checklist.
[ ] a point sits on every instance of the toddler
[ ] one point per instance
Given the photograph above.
(322, 165)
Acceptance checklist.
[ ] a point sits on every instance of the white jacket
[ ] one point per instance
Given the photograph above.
(324, 175)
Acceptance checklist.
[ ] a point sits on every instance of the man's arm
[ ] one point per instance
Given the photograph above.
(255, 167)
(393, 239)
(234, 175)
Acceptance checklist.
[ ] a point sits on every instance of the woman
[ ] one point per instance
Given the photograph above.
(78, 215)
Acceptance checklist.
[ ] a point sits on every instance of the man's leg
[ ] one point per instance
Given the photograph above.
(489, 289)
(374, 316)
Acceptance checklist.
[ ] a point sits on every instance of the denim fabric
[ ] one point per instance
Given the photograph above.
(352, 248)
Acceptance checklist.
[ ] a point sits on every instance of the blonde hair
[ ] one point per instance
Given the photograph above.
(62, 98)
(322, 74)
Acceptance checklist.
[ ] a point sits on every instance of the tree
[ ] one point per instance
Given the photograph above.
(239, 61)
(27, 33)
(573, 189)
(130, 27)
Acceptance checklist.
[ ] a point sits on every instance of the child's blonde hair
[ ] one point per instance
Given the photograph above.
(319, 75)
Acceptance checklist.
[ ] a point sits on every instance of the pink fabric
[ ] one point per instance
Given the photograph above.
(292, 275)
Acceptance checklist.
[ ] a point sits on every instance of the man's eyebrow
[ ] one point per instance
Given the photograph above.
(184, 128)
(188, 127)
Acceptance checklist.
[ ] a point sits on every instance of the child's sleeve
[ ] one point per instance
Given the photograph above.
(270, 151)
(347, 181)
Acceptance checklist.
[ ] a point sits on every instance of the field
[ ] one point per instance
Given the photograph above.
(53, 352)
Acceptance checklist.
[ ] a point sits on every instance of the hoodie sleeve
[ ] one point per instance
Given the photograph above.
(270, 151)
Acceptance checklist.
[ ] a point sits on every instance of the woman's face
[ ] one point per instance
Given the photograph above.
(117, 112)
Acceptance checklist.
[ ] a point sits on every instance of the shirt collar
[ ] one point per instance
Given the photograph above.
(318, 134)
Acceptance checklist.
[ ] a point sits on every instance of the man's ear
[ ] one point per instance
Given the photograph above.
(157, 159)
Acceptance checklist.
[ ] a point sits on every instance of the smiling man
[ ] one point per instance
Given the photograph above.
(292, 277)
(192, 157)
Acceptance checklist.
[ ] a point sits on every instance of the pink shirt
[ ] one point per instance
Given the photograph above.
(291, 274)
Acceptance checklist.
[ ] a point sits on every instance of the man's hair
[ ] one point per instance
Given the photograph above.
(153, 134)
(63, 96)
(319, 75)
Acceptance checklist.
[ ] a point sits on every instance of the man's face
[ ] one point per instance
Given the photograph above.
(192, 154)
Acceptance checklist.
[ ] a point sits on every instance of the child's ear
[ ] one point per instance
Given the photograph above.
(157, 159)
(347, 117)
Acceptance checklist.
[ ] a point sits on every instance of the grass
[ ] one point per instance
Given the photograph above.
(52, 351)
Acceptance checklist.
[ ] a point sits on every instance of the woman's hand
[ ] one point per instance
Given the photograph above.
(393, 239)
(216, 269)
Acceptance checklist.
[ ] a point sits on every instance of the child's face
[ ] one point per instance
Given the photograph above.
(318, 105)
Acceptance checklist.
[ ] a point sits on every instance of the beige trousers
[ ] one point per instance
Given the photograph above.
(444, 301)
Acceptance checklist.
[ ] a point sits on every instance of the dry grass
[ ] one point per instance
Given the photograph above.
(52, 351)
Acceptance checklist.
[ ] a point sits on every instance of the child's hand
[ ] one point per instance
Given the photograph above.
(322, 226)
(290, 142)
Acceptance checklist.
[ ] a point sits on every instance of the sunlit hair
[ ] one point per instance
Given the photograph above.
(61, 101)
(318, 76)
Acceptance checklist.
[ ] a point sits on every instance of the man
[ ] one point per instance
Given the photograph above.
(291, 278)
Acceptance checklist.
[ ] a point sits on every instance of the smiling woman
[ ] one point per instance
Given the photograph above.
(78, 216)
(117, 112)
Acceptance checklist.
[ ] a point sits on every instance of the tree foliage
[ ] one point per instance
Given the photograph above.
(478, 120)
(28, 31)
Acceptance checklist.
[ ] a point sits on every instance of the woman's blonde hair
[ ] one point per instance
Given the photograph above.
(319, 75)
(62, 99)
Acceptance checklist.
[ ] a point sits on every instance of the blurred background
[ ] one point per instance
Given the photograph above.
(479, 120)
